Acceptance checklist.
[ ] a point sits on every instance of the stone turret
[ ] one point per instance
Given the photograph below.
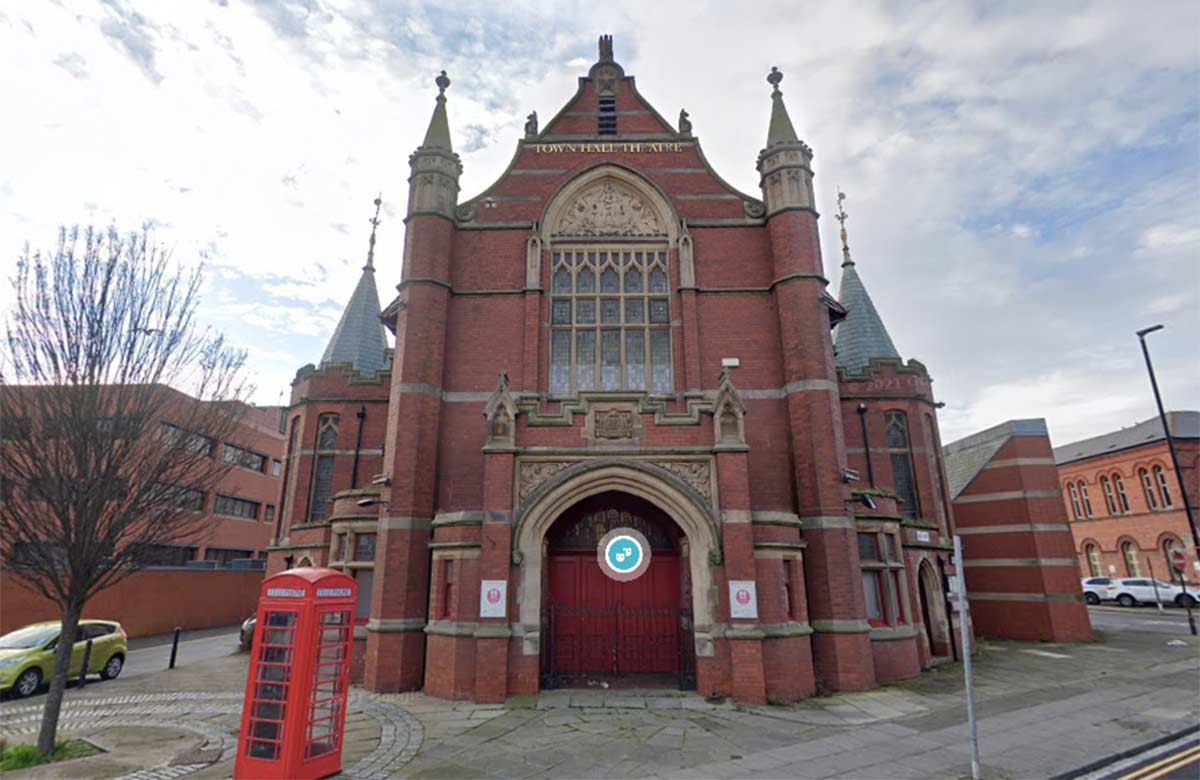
(861, 336)
(359, 340)
(785, 165)
(433, 186)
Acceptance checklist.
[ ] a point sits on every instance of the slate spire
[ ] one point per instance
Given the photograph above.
(359, 339)
(780, 130)
(861, 336)
(438, 134)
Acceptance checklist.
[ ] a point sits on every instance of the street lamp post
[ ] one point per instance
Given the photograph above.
(1187, 504)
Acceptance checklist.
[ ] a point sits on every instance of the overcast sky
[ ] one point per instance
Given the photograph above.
(1023, 180)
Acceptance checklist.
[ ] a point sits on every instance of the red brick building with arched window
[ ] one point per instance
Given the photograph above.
(1123, 499)
(610, 335)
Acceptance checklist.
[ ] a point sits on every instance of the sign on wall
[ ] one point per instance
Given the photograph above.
(743, 599)
(493, 598)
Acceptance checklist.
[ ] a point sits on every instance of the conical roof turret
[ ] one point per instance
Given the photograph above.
(780, 131)
(359, 339)
(437, 136)
(861, 336)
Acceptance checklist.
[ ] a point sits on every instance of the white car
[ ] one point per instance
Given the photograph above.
(1097, 589)
(1132, 591)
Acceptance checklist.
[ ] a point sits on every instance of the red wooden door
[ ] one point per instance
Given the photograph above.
(601, 626)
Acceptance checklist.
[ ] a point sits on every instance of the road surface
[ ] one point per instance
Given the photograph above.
(1146, 619)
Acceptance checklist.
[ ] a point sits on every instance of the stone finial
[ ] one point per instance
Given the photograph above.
(773, 78)
(606, 48)
(442, 81)
(841, 217)
(685, 124)
(531, 125)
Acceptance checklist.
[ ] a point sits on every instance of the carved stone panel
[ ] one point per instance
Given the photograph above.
(533, 473)
(696, 474)
(609, 209)
(612, 423)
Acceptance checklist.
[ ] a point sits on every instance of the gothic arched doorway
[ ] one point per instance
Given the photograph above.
(933, 613)
(599, 631)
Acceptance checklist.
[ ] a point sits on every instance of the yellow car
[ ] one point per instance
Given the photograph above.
(27, 654)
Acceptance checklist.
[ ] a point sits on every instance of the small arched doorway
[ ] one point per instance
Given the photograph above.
(932, 609)
(599, 631)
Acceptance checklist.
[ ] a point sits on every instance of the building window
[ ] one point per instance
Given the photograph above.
(322, 487)
(1160, 476)
(1132, 566)
(1093, 559)
(237, 456)
(195, 443)
(237, 507)
(936, 464)
(900, 453)
(162, 555)
(606, 123)
(1148, 489)
(339, 547)
(1074, 493)
(883, 578)
(365, 578)
(1084, 499)
(1110, 499)
(610, 319)
(225, 557)
(287, 469)
(1122, 499)
(276, 467)
(789, 597)
(364, 547)
(269, 514)
(447, 587)
(1170, 545)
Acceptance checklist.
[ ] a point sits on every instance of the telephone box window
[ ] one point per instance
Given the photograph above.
(271, 685)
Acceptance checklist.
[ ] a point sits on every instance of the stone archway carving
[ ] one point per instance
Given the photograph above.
(610, 201)
(656, 485)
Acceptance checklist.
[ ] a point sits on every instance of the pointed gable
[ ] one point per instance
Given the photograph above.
(607, 94)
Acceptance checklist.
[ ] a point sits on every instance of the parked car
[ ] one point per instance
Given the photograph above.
(1097, 589)
(246, 634)
(1132, 591)
(27, 654)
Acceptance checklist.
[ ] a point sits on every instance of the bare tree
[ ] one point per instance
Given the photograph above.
(113, 404)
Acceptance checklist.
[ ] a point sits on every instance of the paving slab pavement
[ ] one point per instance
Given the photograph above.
(1040, 714)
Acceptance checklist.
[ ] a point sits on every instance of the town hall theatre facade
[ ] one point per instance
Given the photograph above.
(612, 336)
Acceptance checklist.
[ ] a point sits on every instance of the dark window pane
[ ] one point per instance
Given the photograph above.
(660, 361)
(658, 280)
(868, 547)
(633, 281)
(322, 489)
(585, 281)
(561, 311)
(609, 283)
(560, 361)
(659, 313)
(610, 311)
(635, 360)
(904, 486)
(585, 311)
(610, 360)
(635, 311)
(562, 281)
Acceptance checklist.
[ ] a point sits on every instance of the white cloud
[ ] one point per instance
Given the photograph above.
(1022, 176)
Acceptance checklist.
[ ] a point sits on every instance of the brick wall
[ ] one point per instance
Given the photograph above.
(147, 602)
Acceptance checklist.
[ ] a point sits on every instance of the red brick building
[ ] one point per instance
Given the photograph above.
(612, 336)
(1121, 493)
(1018, 556)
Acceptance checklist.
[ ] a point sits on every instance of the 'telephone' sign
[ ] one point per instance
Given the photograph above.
(623, 554)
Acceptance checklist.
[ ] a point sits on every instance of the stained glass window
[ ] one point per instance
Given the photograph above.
(903, 480)
(610, 320)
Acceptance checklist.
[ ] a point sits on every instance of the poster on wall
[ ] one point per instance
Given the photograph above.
(743, 599)
(493, 598)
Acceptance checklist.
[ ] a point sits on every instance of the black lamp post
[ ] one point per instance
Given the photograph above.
(1187, 504)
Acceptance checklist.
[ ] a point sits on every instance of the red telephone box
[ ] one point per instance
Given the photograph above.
(294, 711)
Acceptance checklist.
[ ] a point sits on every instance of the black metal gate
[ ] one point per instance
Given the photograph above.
(581, 643)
